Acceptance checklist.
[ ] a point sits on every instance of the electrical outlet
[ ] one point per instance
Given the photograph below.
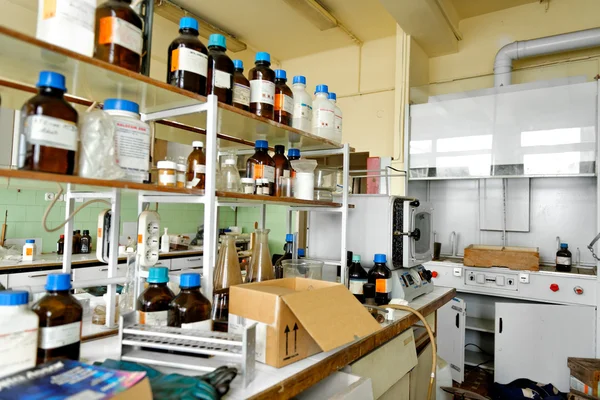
(61, 197)
(49, 197)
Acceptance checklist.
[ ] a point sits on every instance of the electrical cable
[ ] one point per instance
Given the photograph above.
(482, 350)
(70, 217)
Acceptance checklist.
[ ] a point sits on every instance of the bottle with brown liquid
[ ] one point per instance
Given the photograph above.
(187, 66)
(153, 303)
(50, 135)
(293, 154)
(77, 241)
(227, 273)
(241, 87)
(282, 167)
(220, 69)
(74, 244)
(60, 245)
(86, 242)
(261, 165)
(262, 86)
(196, 167)
(261, 266)
(284, 99)
(190, 309)
(119, 39)
(60, 317)
(381, 276)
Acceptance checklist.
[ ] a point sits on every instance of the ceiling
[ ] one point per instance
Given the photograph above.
(473, 8)
(276, 27)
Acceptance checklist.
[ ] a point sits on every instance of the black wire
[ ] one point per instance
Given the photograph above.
(482, 350)
(397, 170)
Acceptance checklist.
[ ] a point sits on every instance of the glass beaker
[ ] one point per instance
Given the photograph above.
(261, 267)
(227, 274)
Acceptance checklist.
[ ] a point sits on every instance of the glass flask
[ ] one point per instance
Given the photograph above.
(261, 267)
(227, 274)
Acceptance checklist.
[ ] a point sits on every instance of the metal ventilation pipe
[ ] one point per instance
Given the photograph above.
(539, 47)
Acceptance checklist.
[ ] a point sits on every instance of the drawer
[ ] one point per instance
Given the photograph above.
(86, 274)
(179, 264)
(37, 278)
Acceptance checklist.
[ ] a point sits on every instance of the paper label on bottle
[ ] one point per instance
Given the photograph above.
(222, 79)
(200, 168)
(237, 325)
(18, 351)
(190, 60)
(51, 132)
(338, 123)
(383, 285)
(325, 118)
(563, 260)
(286, 173)
(132, 141)
(166, 179)
(269, 173)
(68, 23)
(118, 31)
(283, 102)
(241, 94)
(59, 336)
(302, 116)
(356, 285)
(154, 318)
(77, 12)
(205, 325)
(262, 91)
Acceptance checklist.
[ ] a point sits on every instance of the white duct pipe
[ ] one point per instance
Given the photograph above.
(539, 47)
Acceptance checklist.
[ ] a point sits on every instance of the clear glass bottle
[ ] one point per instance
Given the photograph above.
(261, 266)
(262, 86)
(196, 167)
(241, 87)
(153, 303)
(187, 66)
(227, 273)
(381, 276)
(231, 176)
(220, 69)
(190, 306)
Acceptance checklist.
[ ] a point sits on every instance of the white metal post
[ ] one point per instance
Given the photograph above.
(137, 278)
(210, 208)
(113, 257)
(68, 249)
(263, 216)
(598, 225)
(344, 235)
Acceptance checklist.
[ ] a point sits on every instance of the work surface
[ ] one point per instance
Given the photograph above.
(286, 382)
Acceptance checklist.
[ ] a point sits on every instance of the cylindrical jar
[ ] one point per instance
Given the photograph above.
(167, 173)
(181, 172)
(29, 250)
(247, 185)
(19, 333)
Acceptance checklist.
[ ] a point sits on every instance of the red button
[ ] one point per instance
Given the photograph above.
(578, 290)
(554, 287)
(434, 274)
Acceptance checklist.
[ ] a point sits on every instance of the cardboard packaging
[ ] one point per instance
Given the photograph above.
(585, 375)
(298, 317)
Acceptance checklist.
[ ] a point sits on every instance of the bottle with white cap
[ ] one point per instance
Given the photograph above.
(231, 176)
(196, 167)
(19, 333)
(338, 118)
(303, 102)
(323, 123)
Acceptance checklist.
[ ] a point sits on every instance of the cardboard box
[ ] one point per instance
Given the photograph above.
(298, 317)
(585, 375)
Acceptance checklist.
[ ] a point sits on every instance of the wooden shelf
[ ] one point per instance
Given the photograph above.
(480, 324)
(289, 201)
(476, 358)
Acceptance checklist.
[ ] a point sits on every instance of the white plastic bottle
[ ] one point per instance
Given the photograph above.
(338, 118)
(323, 114)
(165, 242)
(19, 333)
(303, 109)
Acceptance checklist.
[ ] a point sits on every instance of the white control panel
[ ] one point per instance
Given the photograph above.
(482, 278)
(148, 238)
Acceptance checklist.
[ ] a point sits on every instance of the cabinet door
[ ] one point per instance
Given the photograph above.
(534, 340)
(451, 337)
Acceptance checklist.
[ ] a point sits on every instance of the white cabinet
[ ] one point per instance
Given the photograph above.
(451, 336)
(534, 340)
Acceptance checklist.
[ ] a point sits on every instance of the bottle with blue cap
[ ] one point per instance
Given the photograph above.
(303, 102)
(60, 316)
(323, 119)
(132, 150)
(19, 332)
(284, 99)
(153, 303)
(187, 64)
(338, 118)
(241, 87)
(190, 309)
(220, 69)
(262, 86)
(381, 276)
(49, 135)
(261, 165)
(288, 250)
(29, 250)
(563, 258)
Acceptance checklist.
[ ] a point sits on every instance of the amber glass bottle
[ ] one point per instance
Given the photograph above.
(381, 276)
(60, 317)
(241, 87)
(86, 242)
(293, 154)
(187, 66)
(190, 306)
(261, 165)
(284, 99)
(262, 86)
(220, 70)
(49, 136)
(153, 303)
(77, 241)
(282, 166)
(227, 273)
(119, 38)
(196, 167)
(60, 245)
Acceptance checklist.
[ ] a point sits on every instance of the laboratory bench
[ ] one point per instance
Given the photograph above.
(357, 357)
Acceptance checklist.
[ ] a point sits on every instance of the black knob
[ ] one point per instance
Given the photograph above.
(427, 274)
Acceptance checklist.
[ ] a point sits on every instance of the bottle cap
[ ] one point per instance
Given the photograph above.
(279, 149)
(280, 74)
(217, 40)
(238, 64)
(380, 259)
(356, 258)
(181, 168)
(197, 143)
(301, 252)
(121, 105)
(58, 282)
(78, 231)
(300, 79)
(51, 79)
(247, 180)
(158, 275)
(322, 89)
(13, 297)
(62, 236)
(189, 280)
(564, 246)
(230, 161)
(188, 23)
(289, 238)
(29, 241)
(262, 56)
(261, 144)
(86, 232)
(332, 96)
(369, 290)
(166, 165)
(293, 153)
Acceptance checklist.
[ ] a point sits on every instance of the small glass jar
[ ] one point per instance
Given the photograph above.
(181, 174)
(167, 173)
(247, 185)
(265, 189)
